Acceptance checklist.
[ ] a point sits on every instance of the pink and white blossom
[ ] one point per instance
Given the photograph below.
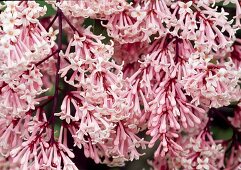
(158, 80)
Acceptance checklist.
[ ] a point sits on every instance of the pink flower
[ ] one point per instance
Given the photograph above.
(10, 133)
(21, 46)
(202, 164)
(92, 8)
(236, 119)
(201, 152)
(124, 28)
(19, 95)
(11, 33)
(155, 77)
(185, 7)
(87, 57)
(209, 84)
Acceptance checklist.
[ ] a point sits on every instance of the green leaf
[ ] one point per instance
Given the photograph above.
(220, 133)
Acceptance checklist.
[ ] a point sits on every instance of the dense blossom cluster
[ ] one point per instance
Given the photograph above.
(156, 78)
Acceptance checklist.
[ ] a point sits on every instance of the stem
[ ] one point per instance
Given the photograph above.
(40, 62)
(52, 22)
(57, 78)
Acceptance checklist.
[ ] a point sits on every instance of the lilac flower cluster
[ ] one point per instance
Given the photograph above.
(165, 69)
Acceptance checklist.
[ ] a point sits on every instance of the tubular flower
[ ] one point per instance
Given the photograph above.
(124, 27)
(94, 9)
(210, 84)
(120, 79)
(156, 86)
(23, 39)
(201, 153)
(19, 95)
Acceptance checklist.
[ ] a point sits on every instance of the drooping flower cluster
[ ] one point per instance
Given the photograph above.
(23, 38)
(201, 153)
(19, 94)
(211, 85)
(92, 8)
(161, 68)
